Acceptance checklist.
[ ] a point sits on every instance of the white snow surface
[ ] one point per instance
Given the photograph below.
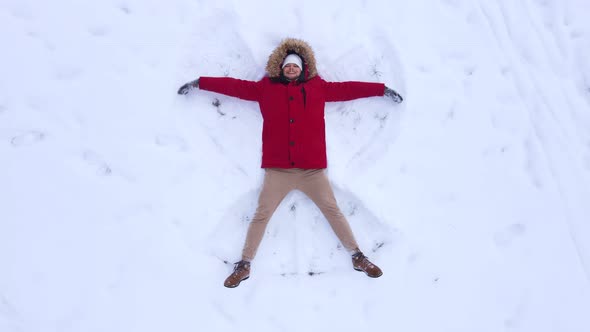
(123, 205)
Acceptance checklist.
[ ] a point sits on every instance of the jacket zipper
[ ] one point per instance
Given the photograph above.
(304, 96)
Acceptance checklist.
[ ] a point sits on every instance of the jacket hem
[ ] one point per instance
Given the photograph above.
(295, 165)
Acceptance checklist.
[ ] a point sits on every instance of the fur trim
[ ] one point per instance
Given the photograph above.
(275, 60)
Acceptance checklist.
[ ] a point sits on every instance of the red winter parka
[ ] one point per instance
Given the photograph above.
(293, 131)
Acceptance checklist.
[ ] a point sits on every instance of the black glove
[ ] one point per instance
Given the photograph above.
(186, 88)
(393, 95)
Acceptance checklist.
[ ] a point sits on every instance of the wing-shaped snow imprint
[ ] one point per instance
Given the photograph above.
(233, 125)
(359, 132)
(298, 239)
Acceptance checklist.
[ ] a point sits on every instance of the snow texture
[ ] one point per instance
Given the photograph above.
(124, 205)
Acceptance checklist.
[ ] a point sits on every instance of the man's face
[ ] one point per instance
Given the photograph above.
(291, 71)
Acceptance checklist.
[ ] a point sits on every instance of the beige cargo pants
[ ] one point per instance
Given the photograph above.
(277, 184)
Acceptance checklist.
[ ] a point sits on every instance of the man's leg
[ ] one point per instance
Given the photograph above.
(277, 184)
(315, 184)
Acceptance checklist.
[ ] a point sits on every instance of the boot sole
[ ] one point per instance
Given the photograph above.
(236, 285)
(368, 275)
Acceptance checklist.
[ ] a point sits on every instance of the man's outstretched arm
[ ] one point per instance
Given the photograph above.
(343, 91)
(248, 90)
(350, 90)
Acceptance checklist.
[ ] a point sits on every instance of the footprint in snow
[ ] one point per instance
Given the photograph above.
(95, 160)
(125, 9)
(170, 141)
(98, 31)
(508, 235)
(28, 138)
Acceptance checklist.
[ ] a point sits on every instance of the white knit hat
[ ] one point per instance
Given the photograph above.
(294, 59)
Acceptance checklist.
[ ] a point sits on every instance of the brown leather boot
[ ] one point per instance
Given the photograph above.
(360, 262)
(241, 273)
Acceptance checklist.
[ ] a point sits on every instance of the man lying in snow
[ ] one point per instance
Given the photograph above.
(292, 98)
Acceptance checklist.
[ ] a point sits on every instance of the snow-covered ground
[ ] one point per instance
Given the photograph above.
(124, 205)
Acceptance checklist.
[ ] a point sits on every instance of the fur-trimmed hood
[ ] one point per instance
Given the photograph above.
(286, 47)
